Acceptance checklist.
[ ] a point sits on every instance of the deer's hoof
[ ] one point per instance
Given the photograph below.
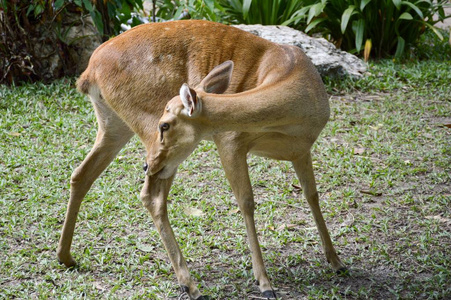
(68, 261)
(185, 293)
(270, 294)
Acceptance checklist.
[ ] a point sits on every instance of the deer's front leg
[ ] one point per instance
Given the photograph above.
(233, 159)
(154, 195)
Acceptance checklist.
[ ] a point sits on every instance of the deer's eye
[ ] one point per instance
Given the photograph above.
(164, 127)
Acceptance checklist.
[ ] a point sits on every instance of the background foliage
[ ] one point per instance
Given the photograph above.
(372, 28)
(265, 12)
(27, 27)
(385, 27)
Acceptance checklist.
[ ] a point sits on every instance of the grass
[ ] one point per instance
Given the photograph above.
(383, 168)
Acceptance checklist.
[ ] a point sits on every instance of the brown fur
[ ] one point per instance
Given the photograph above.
(274, 105)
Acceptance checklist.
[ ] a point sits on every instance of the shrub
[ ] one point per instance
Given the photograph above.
(380, 27)
(182, 9)
(33, 34)
(265, 12)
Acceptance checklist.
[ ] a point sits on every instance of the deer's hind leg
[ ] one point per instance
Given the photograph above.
(297, 150)
(304, 171)
(112, 135)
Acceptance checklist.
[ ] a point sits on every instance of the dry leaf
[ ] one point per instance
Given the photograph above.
(377, 127)
(367, 50)
(359, 151)
(145, 248)
(98, 286)
(440, 219)
(286, 226)
(349, 221)
(194, 212)
(296, 187)
(372, 193)
(14, 133)
(234, 211)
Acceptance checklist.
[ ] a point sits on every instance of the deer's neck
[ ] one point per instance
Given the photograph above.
(270, 105)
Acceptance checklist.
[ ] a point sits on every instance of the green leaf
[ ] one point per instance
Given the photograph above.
(346, 16)
(209, 5)
(58, 4)
(38, 10)
(78, 3)
(400, 47)
(405, 16)
(313, 24)
(363, 3)
(126, 11)
(88, 5)
(397, 4)
(30, 8)
(139, 4)
(435, 30)
(178, 12)
(358, 28)
(298, 15)
(441, 13)
(246, 7)
(193, 212)
(97, 18)
(415, 8)
(315, 10)
(145, 248)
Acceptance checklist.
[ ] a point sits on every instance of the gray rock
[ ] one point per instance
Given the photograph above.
(325, 56)
(83, 39)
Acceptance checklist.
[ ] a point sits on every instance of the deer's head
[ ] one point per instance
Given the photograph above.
(182, 125)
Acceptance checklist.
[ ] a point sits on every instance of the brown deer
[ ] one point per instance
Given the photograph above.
(243, 92)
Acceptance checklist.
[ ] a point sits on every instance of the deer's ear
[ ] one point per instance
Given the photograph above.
(190, 100)
(218, 80)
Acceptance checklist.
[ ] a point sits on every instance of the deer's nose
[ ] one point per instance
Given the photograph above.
(145, 167)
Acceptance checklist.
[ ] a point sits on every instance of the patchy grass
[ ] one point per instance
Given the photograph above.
(383, 168)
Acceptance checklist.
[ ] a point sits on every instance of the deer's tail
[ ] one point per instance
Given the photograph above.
(84, 82)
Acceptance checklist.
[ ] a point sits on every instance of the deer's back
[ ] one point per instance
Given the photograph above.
(137, 72)
(162, 56)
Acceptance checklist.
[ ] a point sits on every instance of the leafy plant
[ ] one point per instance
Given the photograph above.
(110, 15)
(266, 12)
(21, 24)
(196, 9)
(429, 46)
(381, 27)
(28, 27)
